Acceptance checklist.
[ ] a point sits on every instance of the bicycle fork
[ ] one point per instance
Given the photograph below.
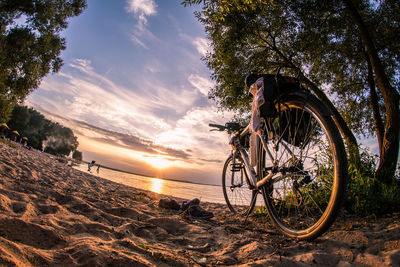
(254, 184)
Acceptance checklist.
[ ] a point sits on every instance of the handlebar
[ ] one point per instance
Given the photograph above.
(229, 126)
(219, 127)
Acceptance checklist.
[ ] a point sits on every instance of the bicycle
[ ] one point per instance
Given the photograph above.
(301, 163)
(235, 181)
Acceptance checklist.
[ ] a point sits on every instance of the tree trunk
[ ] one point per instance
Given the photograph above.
(350, 139)
(390, 145)
(379, 127)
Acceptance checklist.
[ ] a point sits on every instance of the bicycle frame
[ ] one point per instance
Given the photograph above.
(253, 182)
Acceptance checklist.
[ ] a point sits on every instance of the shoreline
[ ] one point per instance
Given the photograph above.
(179, 189)
(54, 215)
(148, 176)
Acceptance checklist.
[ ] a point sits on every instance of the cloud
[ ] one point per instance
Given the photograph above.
(202, 45)
(192, 133)
(154, 66)
(114, 138)
(137, 41)
(144, 108)
(83, 64)
(139, 120)
(201, 83)
(141, 9)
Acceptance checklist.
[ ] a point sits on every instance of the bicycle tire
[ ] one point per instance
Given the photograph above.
(304, 204)
(234, 186)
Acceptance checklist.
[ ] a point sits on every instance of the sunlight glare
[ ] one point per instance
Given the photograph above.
(159, 162)
(156, 185)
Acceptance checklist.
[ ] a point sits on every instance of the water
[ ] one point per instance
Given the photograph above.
(185, 190)
(206, 193)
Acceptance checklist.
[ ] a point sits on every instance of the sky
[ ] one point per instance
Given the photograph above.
(133, 88)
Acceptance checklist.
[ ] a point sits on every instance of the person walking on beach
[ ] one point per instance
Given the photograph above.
(98, 169)
(90, 165)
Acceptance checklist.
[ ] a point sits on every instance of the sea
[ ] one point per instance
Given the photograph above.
(179, 189)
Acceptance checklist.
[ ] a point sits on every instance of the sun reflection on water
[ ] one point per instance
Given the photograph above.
(157, 185)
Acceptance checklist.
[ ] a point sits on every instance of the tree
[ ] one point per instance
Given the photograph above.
(347, 44)
(20, 118)
(6, 106)
(77, 155)
(41, 131)
(322, 40)
(59, 140)
(29, 123)
(251, 37)
(35, 129)
(30, 42)
(389, 146)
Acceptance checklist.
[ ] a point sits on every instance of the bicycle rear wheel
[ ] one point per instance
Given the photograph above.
(234, 185)
(304, 196)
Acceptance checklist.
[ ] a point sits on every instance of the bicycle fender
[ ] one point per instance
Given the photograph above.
(307, 96)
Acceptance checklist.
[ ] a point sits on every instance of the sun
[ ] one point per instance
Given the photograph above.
(159, 162)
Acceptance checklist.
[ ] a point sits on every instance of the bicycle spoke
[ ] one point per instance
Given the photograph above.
(299, 193)
(236, 191)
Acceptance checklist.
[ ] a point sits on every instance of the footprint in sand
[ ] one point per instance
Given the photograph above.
(63, 199)
(29, 234)
(128, 213)
(172, 226)
(5, 203)
(48, 209)
(18, 207)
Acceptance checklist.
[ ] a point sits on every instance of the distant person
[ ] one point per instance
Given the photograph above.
(98, 169)
(90, 165)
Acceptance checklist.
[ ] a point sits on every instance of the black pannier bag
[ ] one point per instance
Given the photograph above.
(273, 87)
(295, 128)
(268, 110)
(294, 122)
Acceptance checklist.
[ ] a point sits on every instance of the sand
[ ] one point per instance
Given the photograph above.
(54, 215)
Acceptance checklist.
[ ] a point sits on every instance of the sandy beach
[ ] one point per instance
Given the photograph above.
(54, 215)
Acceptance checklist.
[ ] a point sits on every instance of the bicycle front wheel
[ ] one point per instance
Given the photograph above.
(310, 166)
(235, 187)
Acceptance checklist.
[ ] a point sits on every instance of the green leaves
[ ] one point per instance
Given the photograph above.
(30, 123)
(30, 47)
(6, 106)
(318, 37)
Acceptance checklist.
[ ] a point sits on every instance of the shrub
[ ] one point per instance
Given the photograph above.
(77, 155)
(366, 194)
